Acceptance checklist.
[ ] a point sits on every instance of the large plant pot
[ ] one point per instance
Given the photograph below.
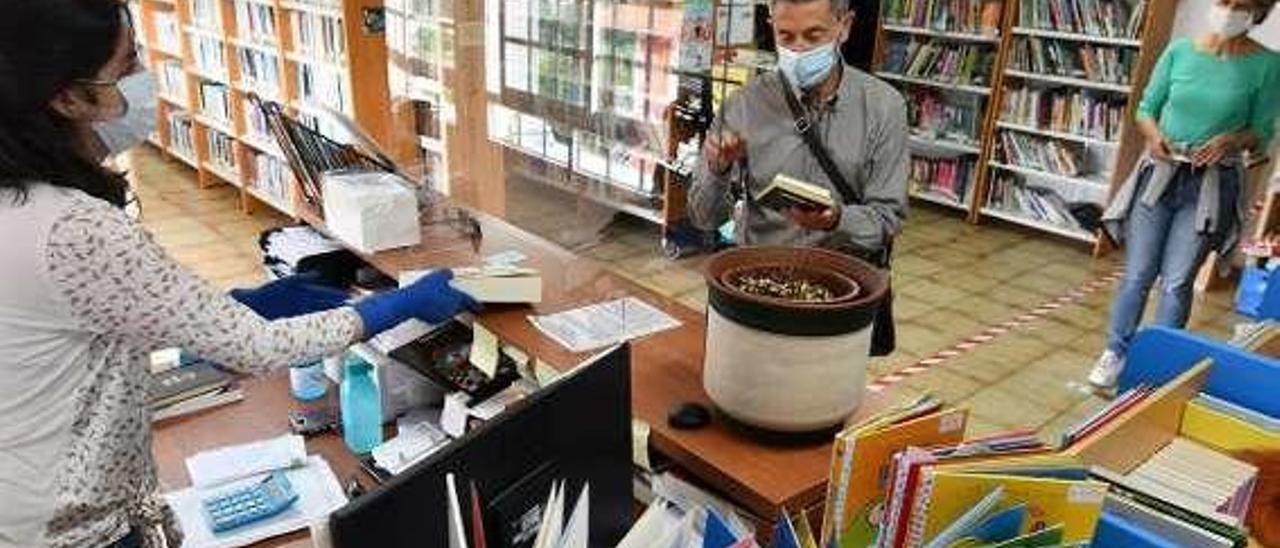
(789, 365)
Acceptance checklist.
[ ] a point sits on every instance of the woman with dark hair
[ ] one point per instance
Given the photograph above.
(1208, 100)
(85, 295)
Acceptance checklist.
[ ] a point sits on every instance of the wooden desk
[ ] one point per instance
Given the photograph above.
(666, 371)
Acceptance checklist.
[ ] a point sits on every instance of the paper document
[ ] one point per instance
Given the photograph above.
(417, 437)
(600, 325)
(484, 350)
(211, 468)
(319, 494)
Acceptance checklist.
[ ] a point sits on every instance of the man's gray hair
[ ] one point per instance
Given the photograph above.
(838, 7)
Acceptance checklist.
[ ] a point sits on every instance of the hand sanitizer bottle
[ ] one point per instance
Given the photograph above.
(361, 406)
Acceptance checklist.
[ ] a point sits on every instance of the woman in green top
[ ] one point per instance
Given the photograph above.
(1208, 100)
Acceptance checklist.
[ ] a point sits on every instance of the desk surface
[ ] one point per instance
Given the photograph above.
(667, 370)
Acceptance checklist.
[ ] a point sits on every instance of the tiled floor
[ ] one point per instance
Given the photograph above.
(951, 280)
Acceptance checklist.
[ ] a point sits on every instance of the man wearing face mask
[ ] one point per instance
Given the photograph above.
(856, 121)
(1208, 100)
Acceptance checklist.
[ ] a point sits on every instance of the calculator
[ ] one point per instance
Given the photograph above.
(250, 504)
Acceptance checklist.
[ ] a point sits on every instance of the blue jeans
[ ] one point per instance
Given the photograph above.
(1162, 241)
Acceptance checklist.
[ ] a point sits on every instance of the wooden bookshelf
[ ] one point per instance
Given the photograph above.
(934, 100)
(260, 44)
(1108, 158)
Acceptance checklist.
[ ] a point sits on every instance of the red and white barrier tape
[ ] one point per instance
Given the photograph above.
(994, 332)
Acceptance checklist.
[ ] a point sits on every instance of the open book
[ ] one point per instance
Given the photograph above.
(787, 192)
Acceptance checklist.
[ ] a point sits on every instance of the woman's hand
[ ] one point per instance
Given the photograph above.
(1215, 150)
(1159, 149)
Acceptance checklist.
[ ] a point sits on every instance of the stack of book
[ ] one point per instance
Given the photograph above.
(271, 176)
(1073, 113)
(1056, 57)
(190, 388)
(319, 36)
(1170, 457)
(949, 117)
(210, 56)
(1108, 18)
(260, 71)
(206, 14)
(222, 150)
(1040, 154)
(949, 178)
(215, 101)
(968, 16)
(168, 32)
(942, 62)
(181, 134)
(256, 21)
(322, 85)
(1010, 195)
(172, 80)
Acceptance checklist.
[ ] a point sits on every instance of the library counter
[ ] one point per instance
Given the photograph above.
(667, 371)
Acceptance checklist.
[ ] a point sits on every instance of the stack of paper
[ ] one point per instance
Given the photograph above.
(683, 516)
(215, 472)
(1193, 476)
(860, 463)
(605, 324)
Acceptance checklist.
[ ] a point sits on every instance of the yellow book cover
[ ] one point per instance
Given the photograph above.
(859, 514)
(1224, 432)
(1075, 504)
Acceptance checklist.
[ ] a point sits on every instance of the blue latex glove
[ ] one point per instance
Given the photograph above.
(430, 299)
(291, 296)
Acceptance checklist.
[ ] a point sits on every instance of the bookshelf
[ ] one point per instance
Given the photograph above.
(943, 58)
(209, 56)
(1049, 114)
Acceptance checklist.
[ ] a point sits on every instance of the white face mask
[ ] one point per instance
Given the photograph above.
(1229, 23)
(808, 69)
(139, 119)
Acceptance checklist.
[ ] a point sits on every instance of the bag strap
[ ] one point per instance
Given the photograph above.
(809, 133)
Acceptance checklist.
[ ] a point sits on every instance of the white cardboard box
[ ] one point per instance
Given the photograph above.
(371, 211)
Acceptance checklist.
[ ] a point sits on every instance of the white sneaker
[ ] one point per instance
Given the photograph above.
(1106, 370)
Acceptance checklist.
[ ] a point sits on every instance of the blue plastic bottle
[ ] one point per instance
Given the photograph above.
(361, 406)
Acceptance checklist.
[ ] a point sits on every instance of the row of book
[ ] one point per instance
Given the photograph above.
(938, 115)
(1094, 63)
(215, 101)
(319, 36)
(209, 55)
(207, 14)
(168, 31)
(260, 71)
(181, 134)
(322, 85)
(1078, 113)
(950, 178)
(222, 150)
(1010, 194)
(182, 386)
(1109, 18)
(256, 122)
(1040, 154)
(967, 16)
(171, 79)
(256, 22)
(271, 176)
(968, 64)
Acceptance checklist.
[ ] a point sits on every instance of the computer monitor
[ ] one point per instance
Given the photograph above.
(577, 430)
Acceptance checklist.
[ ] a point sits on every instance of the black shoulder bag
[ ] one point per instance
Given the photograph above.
(883, 332)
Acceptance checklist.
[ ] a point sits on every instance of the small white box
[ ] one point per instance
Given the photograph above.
(371, 212)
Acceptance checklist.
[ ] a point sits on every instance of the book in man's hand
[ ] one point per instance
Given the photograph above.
(787, 192)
